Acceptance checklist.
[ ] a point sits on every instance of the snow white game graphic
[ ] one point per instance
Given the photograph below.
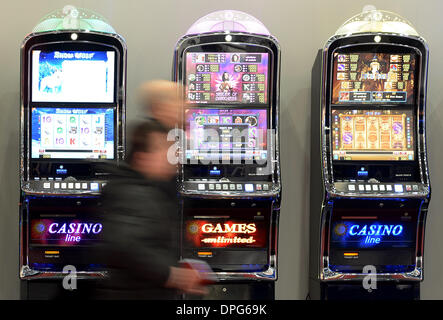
(227, 77)
(73, 76)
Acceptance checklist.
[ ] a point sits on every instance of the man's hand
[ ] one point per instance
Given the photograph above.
(186, 280)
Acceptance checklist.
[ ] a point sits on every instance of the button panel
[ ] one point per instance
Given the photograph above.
(57, 186)
(213, 186)
(380, 188)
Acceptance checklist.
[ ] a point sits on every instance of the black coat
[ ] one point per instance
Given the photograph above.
(140, 236)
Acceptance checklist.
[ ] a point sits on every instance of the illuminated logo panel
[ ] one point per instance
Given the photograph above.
(361, 234)
(64, 232)
(239, 234)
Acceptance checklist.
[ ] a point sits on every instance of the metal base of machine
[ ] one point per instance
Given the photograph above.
(238, 291)
(355, 291)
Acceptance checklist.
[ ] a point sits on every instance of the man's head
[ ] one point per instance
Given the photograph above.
(149, 149)
(163, 101)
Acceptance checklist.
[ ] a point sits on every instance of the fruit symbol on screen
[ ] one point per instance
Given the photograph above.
(347, 137)
(59, 130)
(72, 119)
(238, 120)
(397, 127)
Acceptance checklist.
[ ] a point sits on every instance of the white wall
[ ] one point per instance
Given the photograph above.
(151, 29)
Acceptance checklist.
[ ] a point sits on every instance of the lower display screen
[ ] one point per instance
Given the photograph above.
(72, 133)
(361, 234)
(373, 135)
(229, 135)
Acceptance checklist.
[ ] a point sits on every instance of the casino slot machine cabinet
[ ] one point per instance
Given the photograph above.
(370, 186)
(229, 170)
(73, 69)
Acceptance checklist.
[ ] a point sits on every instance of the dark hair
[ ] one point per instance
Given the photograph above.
(139, 141)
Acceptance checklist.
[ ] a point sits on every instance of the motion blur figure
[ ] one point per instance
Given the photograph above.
(140, 216)
(162, 100)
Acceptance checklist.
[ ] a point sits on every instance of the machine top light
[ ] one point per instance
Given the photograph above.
(72, 18)
(228, 21)
(373, 20)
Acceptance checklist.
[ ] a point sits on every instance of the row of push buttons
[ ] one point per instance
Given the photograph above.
(248, 187)
(94, 186)
(399, 188)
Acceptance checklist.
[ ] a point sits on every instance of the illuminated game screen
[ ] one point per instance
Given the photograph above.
(373, 135)
(73, 76)
(373, 78)
(72, 133)
(227, 77)
(360, 234)
(226, 134)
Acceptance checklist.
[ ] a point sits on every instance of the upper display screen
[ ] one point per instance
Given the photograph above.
(227, 77)
(373, 135)
(373, 78)
(73, 76)
(226, 135)
(72, 133)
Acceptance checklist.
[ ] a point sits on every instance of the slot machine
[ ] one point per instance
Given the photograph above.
(73, 74)
(370, 187)
(229, 170)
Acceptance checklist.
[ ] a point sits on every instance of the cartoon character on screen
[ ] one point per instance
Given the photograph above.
(226, 84)
(375, 68)
(51, 79)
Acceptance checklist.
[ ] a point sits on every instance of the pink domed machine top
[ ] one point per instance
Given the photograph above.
(228, 64)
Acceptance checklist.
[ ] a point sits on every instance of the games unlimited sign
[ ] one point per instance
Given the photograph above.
(64, 233)
(225, 234)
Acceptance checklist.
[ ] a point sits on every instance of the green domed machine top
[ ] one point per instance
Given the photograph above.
(73, 93)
